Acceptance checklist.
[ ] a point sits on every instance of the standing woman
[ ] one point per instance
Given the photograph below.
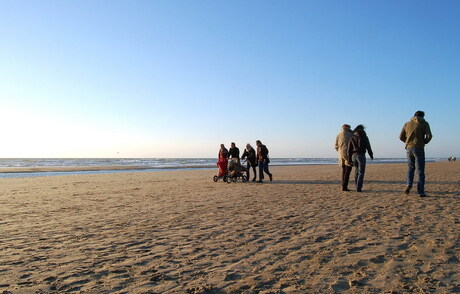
(222, 161)
(357, 148)
(250, 155)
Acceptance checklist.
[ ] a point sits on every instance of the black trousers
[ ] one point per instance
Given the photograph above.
(346, 171)
(248, 173)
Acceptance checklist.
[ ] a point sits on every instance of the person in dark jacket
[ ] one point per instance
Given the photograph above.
(234, 152)
(357, 148)
(263, 161)
(251, 161)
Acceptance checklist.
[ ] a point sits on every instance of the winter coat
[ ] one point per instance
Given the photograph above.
(262, 153)
(251, 156)
(416, 133)
(341, 145)
(359, 144)
(223, 154)
(234, 152)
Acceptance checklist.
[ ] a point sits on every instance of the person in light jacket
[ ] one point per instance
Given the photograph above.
(341, 146)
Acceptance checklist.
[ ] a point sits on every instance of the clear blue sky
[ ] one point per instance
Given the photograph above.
(177, 78)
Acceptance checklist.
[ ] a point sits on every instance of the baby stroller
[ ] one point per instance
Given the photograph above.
(235, 171)
(222, 164)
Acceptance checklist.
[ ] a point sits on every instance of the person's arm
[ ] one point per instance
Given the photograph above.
(337, 143)
(402, 135)
(369, 148)
(350, 150)
(245, 154)
(428, 135)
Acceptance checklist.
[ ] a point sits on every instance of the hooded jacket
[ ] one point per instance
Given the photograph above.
(416, 133)
(341, 145)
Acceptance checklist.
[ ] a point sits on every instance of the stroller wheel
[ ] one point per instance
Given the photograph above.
(234, 179)
(229, 179)
(216, 178)
(244, 179)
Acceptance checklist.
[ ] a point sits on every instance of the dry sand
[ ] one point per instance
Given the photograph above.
(179, 232)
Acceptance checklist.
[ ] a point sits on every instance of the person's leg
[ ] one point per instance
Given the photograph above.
(347, 175)
(248, 173)
(255, 174)
(346, 170)
(410, 169)
(362, 170)
(355, 164)
(261, 170)
(419, 154)
(266, 169)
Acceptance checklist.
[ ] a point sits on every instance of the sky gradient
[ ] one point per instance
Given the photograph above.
(177, 78)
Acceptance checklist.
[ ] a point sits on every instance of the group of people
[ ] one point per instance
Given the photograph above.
(254, 158)
(353, 145)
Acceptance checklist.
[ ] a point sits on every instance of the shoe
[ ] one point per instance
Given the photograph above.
(345, 189)
(423, 195)
(407, 190)
(259, 181)
(271, 177)
(254, 179)
(359, 191)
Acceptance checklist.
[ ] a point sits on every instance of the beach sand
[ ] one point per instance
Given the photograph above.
(179, 232)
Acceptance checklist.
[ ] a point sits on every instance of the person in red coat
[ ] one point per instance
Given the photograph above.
(222, 160)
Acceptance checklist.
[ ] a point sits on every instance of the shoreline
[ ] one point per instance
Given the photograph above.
(59, 170)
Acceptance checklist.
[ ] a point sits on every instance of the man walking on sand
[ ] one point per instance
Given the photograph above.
(341, 146)
(416, 133)
(262, 158)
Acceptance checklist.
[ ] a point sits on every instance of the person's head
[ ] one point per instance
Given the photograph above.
(419, 113)
(248, 147)
(359, 130)
(232, 145)
(258, 143)
(359, 127)
(222, 146)
(346, 127)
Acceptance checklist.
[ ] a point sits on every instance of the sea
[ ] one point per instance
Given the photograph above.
(149, 164)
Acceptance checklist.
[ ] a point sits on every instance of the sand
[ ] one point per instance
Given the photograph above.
(179, 232)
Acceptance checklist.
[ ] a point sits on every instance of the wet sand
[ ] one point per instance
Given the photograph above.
(179, 232)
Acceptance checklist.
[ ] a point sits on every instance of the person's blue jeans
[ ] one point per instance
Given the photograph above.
(359, 162)
(416, 160)
(263, 167)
